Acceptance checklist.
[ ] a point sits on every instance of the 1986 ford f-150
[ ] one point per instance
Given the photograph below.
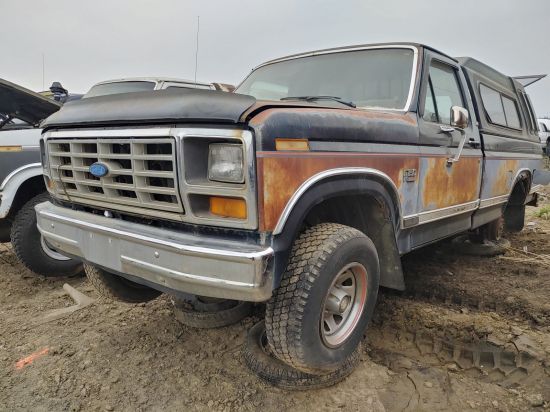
(302, 189)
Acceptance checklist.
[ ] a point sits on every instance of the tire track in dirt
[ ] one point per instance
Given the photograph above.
(460, 299)
(479, 345)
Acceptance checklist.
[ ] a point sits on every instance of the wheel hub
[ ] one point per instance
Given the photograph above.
(344, 304)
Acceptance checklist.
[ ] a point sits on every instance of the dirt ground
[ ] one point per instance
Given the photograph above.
(470, 334)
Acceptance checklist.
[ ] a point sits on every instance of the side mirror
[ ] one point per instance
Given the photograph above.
(459, 117)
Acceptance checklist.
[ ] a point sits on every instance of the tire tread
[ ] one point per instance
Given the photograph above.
(24, 244)
(309, 252)
(209, 320)
(274, 372)
(114, 287)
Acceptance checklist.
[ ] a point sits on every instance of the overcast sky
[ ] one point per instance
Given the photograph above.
(89, 41)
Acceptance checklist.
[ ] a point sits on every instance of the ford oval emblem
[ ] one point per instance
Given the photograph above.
(99, 170)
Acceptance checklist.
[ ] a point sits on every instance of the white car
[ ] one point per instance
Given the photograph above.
(21, 182)
(143, 84)
(544, 134)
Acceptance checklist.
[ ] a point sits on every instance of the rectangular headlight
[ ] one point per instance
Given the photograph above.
(225, 163)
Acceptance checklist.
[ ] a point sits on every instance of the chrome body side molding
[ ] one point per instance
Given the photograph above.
(438, 214)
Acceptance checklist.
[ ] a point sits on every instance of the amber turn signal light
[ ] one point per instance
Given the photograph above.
(228, 207)
(292, 144)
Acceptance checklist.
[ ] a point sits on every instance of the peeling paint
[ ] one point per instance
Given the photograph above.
(442, 185)
(281, 176)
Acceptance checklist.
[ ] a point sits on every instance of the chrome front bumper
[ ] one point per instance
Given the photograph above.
(178, 261)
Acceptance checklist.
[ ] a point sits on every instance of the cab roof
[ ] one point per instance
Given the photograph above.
(353, 48)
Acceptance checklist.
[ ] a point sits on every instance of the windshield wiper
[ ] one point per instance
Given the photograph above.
(313, 98)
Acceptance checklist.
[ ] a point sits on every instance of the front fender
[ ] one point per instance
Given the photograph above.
(371, 180)
(338, 183)
(13, 181)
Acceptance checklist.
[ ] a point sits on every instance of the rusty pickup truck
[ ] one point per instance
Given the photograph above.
(302, 189)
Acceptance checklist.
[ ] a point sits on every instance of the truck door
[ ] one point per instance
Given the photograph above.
(449, 178)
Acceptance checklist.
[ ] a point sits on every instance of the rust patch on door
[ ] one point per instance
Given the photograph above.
(444, 185)
(280, 176)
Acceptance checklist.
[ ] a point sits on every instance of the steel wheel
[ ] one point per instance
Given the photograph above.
(344, 304)
(318, 315)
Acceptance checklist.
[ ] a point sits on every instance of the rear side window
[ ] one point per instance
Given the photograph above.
(501, 110)
(529, 120)
(493, 105)
(531, 111)
(511, 112)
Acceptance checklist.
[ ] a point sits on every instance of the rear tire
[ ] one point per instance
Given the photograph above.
(317, 316)
(116, 287)
(207, 313)
(491, 231)
(260, 360)
(32, 250)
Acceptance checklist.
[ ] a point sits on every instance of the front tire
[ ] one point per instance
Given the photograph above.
(116, 287)
(32, 250)
(317, 316)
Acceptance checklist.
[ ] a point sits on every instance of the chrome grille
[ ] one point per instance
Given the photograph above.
(142, 173)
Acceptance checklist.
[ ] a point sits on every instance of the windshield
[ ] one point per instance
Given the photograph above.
(119, 87)
(368, 78)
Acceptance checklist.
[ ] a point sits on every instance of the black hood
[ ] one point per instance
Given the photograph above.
(24, 104)
(162, 106)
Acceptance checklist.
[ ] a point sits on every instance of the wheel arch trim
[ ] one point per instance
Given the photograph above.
(519, 177)
(327, 174)
(11, 184)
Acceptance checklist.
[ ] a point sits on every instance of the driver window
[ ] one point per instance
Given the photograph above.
(442, 94)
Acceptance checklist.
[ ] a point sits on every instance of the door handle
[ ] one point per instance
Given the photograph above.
(446, 129)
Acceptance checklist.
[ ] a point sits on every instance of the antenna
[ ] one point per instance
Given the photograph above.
(197, 47)
(43, 70)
